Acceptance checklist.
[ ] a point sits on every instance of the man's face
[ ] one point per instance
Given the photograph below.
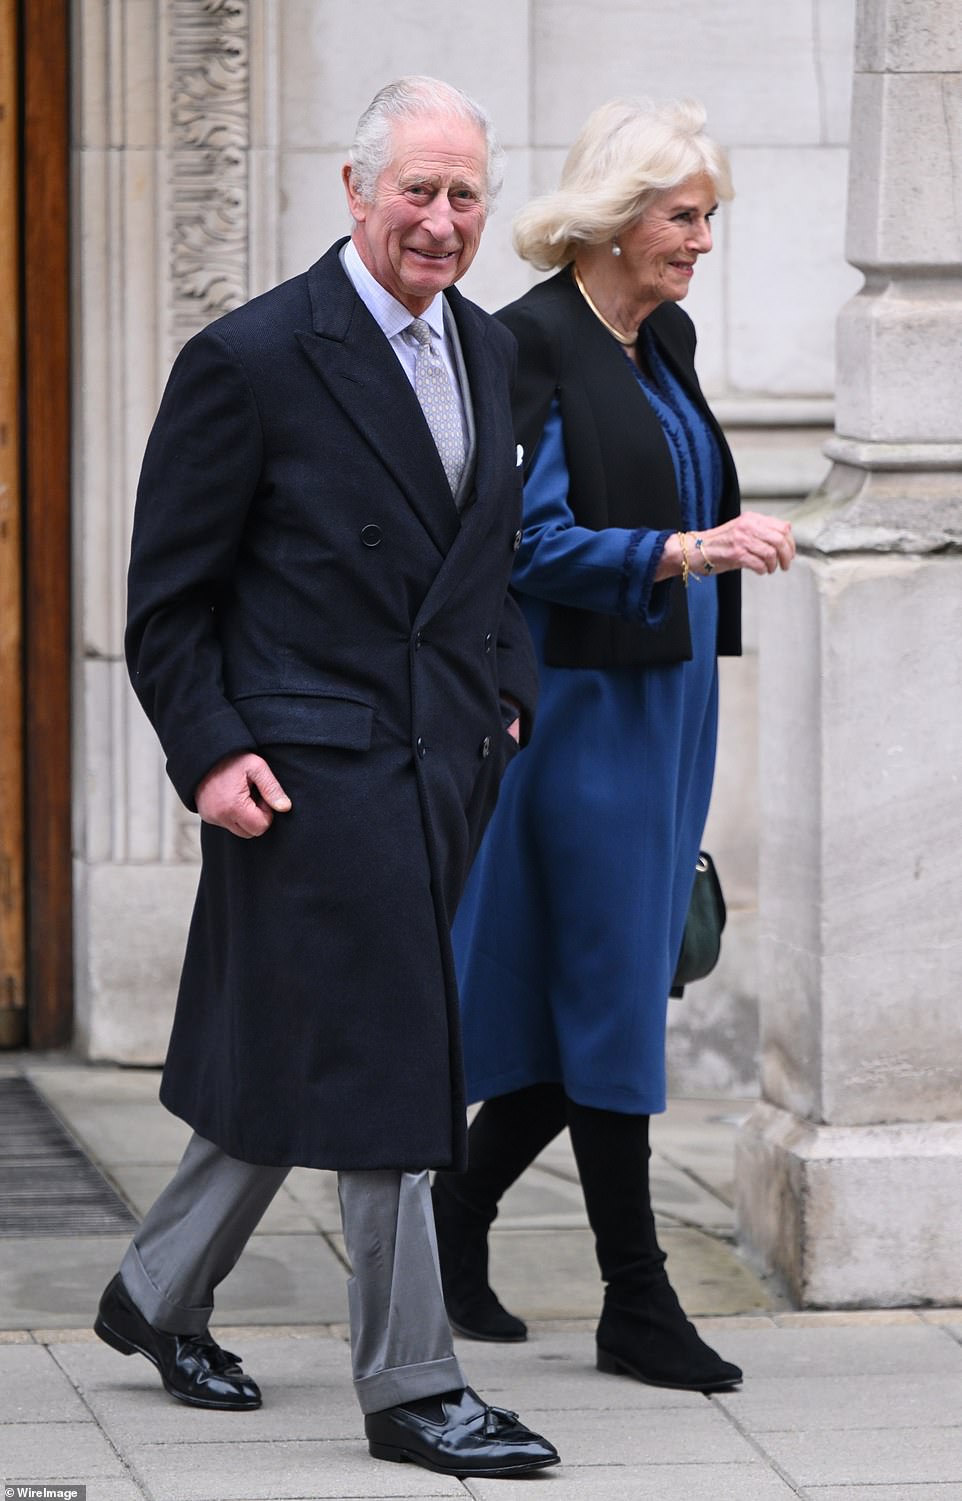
(422, 229)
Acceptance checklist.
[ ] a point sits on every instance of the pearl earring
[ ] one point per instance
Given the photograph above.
(615, 248)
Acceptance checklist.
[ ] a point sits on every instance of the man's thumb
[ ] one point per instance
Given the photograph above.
(271, 790)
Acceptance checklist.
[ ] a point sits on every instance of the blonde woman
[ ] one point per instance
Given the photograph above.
(628, 573)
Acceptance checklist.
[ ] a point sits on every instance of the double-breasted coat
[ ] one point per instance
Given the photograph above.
(302, 585)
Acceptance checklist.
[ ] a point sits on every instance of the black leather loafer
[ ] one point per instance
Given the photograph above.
(193, 1367)
(466, 1438)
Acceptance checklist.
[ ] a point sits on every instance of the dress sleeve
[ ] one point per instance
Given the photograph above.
(610, 571)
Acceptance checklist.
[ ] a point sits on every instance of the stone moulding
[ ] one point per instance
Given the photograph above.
(207, 161)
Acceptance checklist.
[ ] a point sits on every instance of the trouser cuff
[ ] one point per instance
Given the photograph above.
(428, 1378)
(157, 1309)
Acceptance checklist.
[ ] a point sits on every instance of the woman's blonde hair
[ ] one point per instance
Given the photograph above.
(628, 151)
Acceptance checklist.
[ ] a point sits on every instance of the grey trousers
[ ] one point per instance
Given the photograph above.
(195, 1232)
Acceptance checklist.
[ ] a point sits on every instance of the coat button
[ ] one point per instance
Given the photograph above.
(485, 747)
(417, 641)
(371, 535)
(422, 749)
(515, 541)
(487, 641)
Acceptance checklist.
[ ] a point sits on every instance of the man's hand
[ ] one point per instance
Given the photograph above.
(241, 794)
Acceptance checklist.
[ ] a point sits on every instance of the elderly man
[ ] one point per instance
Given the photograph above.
(320, 633)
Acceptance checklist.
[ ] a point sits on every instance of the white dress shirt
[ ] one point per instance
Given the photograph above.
(393, 319)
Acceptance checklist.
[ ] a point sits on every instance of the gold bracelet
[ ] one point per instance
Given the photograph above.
(709, 565)
(686, 569)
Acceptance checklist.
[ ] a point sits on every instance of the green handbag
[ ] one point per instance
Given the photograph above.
(701, 940)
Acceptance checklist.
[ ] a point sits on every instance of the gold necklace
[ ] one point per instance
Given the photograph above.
(627, 339)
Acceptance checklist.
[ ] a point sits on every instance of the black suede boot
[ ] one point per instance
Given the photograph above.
(472, 1306)
(643, 1331)
(504, 1138)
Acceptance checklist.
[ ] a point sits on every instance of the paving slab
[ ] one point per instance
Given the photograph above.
(867, 1456)
(53, 1280)
(140, 1184)
(103, 1489)
(280, 1279)
(306, 1385)
(128, 1132)
(748, 1482)
(58, 1451)
(545, 1198)
(315, 1190)
(676, 1194)
(540, 1274)
(555, 1373)
(251, 1471)
(709, 1276)
(33, 1388)
(699, 1137)
(284, 1279)
(69, 1082)
(645, 1436)
(850, 1349)
(825, 1403)
(840, 1318)
(948, 1492)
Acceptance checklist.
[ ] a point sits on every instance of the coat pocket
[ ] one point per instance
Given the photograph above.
(308, 719)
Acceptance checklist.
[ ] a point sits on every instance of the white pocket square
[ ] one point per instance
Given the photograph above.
(520, 459)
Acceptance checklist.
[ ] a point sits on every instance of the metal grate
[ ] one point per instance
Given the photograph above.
(48, 1185)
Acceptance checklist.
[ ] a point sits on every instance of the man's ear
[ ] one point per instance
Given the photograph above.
(354, 202)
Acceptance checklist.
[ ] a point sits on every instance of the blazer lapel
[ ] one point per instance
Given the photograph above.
(361, 373)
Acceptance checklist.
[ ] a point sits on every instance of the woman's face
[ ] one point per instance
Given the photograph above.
(659, 251)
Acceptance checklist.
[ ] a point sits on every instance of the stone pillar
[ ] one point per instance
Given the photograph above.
(849, 1168)
(173, 168)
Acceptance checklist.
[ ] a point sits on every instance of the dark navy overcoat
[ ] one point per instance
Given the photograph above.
(301, 585)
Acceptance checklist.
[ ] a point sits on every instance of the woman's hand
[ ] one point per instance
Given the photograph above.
(752, 540)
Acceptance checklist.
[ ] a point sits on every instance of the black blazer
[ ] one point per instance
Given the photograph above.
(619, 463)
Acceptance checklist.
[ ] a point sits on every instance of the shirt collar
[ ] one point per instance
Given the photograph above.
(391, 316)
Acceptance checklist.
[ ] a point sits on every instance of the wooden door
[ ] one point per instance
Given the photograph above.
(36, 948)
(13, 993)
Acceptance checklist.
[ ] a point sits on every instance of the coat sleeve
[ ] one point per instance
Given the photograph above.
(199, 475)
(611, 572)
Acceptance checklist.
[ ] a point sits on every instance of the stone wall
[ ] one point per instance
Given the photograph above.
(209, 136)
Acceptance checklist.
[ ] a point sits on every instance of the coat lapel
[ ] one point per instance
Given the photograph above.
(494, 446)
(352, 358)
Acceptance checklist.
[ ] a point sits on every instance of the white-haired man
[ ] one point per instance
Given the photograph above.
(320, 632)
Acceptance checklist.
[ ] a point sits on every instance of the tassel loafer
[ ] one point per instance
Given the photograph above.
(459, 1436)
(193, 1367)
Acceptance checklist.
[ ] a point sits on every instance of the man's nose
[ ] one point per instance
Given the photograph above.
(439, 219)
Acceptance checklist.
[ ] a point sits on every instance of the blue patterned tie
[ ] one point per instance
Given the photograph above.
(439, 402)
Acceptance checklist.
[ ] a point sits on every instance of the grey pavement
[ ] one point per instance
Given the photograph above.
(835, 1406)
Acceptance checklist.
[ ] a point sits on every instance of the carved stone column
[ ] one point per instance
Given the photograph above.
(173, 176)
(849, 1169)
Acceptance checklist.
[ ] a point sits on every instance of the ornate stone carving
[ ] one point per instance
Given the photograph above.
(207, 161)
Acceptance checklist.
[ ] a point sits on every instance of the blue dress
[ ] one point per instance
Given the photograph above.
(570, 925)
